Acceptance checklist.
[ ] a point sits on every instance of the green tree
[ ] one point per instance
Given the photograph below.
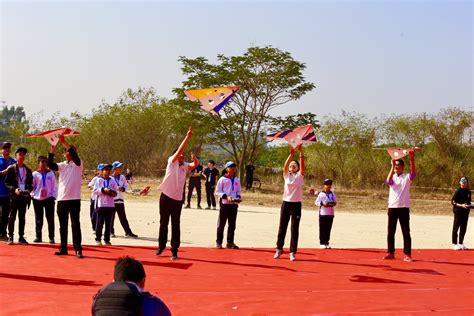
(268, 77)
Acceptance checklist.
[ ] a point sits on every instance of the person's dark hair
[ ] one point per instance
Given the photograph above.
(297, 163)
(69, 149)
(401, 162)
(42, 158)
(212, 161)
(128, 269)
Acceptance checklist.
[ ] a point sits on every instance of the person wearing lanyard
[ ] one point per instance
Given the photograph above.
(326, 201)
(6, 162)
(195, 182)
(45, 191)
(93, 206)
(106, 190)
(19, 181)
(122, 184)
(293, 174)
(228, 189)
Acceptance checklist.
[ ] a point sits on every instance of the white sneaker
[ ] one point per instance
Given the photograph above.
(463, 247)
(322, 246)
(328, 247)
(457, 247)
(278, 253)
(292, 256)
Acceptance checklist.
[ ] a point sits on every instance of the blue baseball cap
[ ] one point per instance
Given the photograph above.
(230, 164)
(100, 166)
(117, 164)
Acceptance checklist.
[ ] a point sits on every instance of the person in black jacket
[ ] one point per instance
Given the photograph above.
(19, 181)
(211, 174)
(461, 202)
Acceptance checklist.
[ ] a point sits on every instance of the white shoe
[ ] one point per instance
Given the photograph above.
(278, 254)
(463, 247)
(292, 256)
(457, 247)
(98, 243)
(322, 246)
(328, 247)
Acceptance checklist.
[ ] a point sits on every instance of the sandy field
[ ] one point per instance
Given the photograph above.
(257, 227)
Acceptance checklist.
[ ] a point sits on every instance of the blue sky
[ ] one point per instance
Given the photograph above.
(372, 57)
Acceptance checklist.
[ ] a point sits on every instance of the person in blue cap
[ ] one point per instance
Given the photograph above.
(122, 184)
(461, 202)
(228, 189)
(6, 162)
(93, 206)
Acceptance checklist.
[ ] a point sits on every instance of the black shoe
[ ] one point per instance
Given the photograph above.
(187, 206)
(107, 243)
(22, 241)
(37, 239)
(112, 235)
(199, 207)
(61, 253)
(231, 246)
(51, 241)
(79, 254)
(10, 241)
(131, 235)
(159, 251)
(218, 245)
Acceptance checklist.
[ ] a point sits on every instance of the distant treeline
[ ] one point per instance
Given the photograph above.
(351, 146)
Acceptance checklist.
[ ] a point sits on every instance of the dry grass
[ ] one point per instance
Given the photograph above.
(349, 200)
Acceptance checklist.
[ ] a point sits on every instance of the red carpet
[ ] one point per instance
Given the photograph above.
(244, 282)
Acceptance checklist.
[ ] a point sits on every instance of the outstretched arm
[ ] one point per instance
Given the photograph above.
(300, 148)
(390, 174)
(287, 162)
(183, 145)
(412, 165)
(195, 162)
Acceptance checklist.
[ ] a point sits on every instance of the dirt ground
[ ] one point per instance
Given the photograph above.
(360, 222)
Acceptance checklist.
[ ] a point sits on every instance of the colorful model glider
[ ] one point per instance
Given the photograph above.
(398, 153)
(296, 136)
(213, 99)
(53, 135)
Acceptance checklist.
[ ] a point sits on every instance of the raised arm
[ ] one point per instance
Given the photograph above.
(195, 162)
(300, 148)
(287, 162)
(72, 150)
(390, 174)
(412, 165)
(183, 144)
(51, 164)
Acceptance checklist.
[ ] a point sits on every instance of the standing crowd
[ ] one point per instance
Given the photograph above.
(20, 187)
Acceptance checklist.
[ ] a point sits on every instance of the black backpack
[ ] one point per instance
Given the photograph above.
(118, 299)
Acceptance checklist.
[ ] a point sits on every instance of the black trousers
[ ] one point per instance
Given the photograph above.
(170, 208)
(104, 217)
(461, 216)
(289, 210)
(5, 213)
(120, 211)
(66, 209)
(248, 182)
(227, 212)
(402, 215)
(211, 199)
(325, 226)
(194, 182)
(42, 208)
(93, 214)
(18, 206)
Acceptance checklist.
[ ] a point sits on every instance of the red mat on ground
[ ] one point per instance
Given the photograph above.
(243, 282)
